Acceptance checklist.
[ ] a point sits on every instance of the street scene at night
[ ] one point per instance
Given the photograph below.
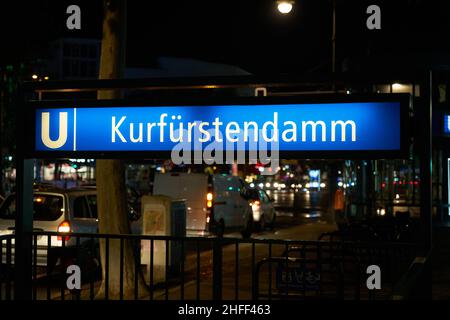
(224, 158)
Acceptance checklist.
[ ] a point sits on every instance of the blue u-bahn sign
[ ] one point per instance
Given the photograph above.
(337, 127)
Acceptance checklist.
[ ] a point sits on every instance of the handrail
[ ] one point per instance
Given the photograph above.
(228, 240)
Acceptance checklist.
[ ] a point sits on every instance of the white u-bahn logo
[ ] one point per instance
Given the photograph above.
(45, 131)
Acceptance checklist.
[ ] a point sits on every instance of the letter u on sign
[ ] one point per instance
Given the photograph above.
(45, 131)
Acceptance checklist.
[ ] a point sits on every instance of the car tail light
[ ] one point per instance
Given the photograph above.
(209, 206)
(209, 198)
(64, 227)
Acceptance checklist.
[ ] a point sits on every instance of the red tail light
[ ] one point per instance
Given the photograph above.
(64, 227)
(209, 198)
(209, 206)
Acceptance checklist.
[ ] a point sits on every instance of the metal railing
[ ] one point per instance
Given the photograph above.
(415, 284)
(335, 270)
(6, 270)
(197, 268)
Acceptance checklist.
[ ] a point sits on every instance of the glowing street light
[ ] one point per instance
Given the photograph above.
(34, 76)
(285, 7)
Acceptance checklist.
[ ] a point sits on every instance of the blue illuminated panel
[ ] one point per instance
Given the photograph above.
(351, 126)
(446, 124)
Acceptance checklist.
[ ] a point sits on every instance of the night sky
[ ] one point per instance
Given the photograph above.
(247, 33)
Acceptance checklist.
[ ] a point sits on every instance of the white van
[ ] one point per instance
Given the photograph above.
(214, 202)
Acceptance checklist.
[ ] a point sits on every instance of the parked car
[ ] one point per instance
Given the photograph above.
(263, 210)
(214, 202)
(60, 210)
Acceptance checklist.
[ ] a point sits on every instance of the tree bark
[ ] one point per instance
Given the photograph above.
(110, 174)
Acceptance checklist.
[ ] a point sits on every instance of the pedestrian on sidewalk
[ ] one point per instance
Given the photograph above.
(339, 208)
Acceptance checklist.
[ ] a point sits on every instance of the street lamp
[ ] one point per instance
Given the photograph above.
(285, 7)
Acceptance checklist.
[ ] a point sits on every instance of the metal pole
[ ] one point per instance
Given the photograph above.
(217, 270)
(426, 200)
(23, 230)
(426, 194)
(24, 217)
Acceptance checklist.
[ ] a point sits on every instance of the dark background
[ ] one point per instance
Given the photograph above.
(248, 33)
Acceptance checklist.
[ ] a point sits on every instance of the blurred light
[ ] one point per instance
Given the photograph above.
(34, 76)
(397, 196)
(381, 211)
(275, 184)
(292, 186)
(252, 185)
(46, 78)
(314, 173)
(396, 86)
(261, 169)
(209, 196)
(402, 88)
(284, 7)
(261, 185)
(315, 184)
(268, 185)
(307, 185)
(64, 227)
(282, 185)
(340, 184)
(299, 186)
(322, 185)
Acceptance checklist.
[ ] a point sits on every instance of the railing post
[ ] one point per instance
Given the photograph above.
(426, 199)
(23, 229)
(217, 269)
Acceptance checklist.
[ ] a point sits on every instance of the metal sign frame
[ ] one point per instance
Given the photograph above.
(403, 99)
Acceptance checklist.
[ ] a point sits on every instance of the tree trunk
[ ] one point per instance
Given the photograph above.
(110, 174)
